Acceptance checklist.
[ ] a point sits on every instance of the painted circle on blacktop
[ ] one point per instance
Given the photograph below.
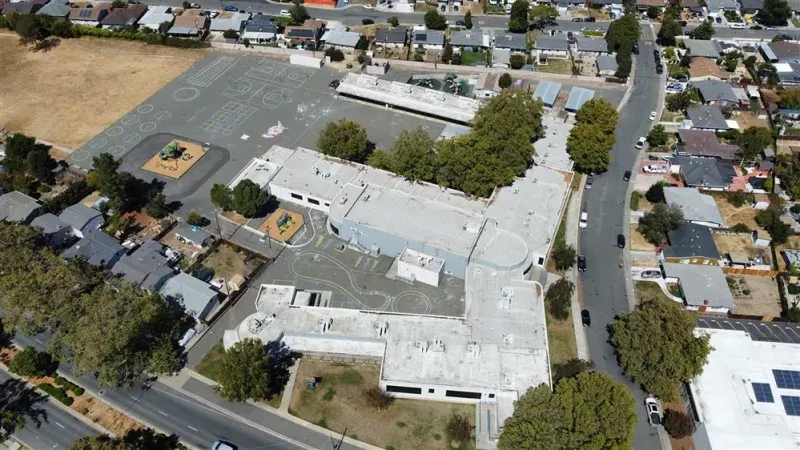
(147, 127)
(81, 155)
(185, 94)
(98, 143)
(280, 73)
(115, 131)
(117, 150)
(144, 109)
(411, 302)
(132, 138)
(132, 119)
(163, 115)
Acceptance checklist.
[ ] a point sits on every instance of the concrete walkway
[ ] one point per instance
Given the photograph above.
(573, 215)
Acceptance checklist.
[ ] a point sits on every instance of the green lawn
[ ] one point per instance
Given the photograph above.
(796, 22)
(593, 33)
(561, 340)
(648, 291)
(209, 365)
(470, 58)
(556, 66)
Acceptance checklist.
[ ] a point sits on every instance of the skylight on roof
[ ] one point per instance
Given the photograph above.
(763, 393)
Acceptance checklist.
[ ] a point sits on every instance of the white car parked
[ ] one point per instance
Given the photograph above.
(640, 143)
(652, 116)
(737, 26)
(584, 220)
(653, 411)
(285, 13)
(369, 7)
(651, 168)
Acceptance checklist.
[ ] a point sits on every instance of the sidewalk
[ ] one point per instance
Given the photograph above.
(573, 214)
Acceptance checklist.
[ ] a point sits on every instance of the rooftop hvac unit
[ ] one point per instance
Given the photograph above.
(422, 346)
(343, 200)
(365, 198)
(381, 327)
(324, 324)
(438, 346)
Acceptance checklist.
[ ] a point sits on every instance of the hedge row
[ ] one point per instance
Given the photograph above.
(56, 392)
(70, 386)
(138, 35)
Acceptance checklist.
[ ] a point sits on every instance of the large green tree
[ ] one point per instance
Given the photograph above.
(157, 205)
(518, 19)
(670, 28)
(559, 298)
(774, 13)
(414, 156)
(248, 198)
(343, 139)
(752, 142)
(222, 196)
(468, 20)
(40, 165)
(789, 99)
(624, 63)
(244, 371)
(657, 136)
(434, 20)
(600, 113)
(623, 32)
(590, 148)
(657, 348)
(788, 170)
(298, 13)
(139, 439)
(542, 13)
(770, 220)
(704, 31)
(655, 224)
(589, 411)
(31, 363)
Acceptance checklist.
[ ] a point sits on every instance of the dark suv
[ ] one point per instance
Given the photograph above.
(621, 240)
(581, 263)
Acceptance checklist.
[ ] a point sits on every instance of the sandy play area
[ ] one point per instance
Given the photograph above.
(69, 94)
(190, 154)
(282, 225)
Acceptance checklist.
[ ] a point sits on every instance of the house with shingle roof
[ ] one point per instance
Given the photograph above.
(18, 207)
(707, 117)
(706, 173)
(20, 8)
(715, 92)
(606, 65)
(393, 37)
(192, 23)
(96, 248)
(697, 208)
(591, 46)
(155, 16)
(551, 47)
(89, 16)
(706, 69)
(703, 143)
(54, 230)
(691, 244)
(513, 42)
(261, 29)
(82, 219)
(702, 49)
(120, 18)
(147, 267)
(422, 37)
(55, 8)
(229, 20)
(198, 297)
(474, 39)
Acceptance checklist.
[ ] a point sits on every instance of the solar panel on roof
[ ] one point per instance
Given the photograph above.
(763, 393)
(791, 405)
(787, 379)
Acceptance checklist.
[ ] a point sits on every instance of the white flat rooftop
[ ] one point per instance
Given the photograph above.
(551, 149)
(311, 172)
(725, 398)
(407, 96)
(422, 260)
(258, 170)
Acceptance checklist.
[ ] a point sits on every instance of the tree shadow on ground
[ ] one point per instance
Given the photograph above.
(18, 402)
(281, 359)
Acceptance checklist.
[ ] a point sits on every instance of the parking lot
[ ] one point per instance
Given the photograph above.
(759, 331)
(240, 106)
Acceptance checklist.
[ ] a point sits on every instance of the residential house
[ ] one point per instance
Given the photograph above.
(147, 267)
(424, 38)
(704, 144)
(550, 47)
(18, 207)
(751, 6)
(191, 24)
(198, 297)
(606, 65)
(701, 69)
(547, 92)
(472, 40)
(691, 244)
(96, 248)
(781, 52)
(54, 230)
(643, 5)
(718, 7)
(794, 6)
(591, 46)
(705, 173)
(577, 97)
(703, 49)
(229, 20)
(342, 39)
(501, 58)
(700, 209)
(487, 85)
(513, 42)
(695, 7)
(393, 37)
(89, 16)
(121, 18)
(82, 219)
(714, 92)
(55, 8)
(788, 73)
(193, 235)
(707, 117)
(757, 185)
(155, 16)
(20, 8)
(703, 287)
(305, 35)
(792, 257)
(261, 29)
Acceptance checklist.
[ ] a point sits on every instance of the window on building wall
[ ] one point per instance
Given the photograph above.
(313, 201)
(491, 395)
(327, 204)
(541, 261)
(297, 196)
(403, 389)
(463, 394)
(430, 390)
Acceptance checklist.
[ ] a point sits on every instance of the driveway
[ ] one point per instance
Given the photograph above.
(604, 281)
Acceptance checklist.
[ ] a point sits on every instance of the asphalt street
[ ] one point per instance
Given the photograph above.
(603, 283)
(57, 428)
(198, 423)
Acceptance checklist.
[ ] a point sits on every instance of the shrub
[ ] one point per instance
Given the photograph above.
(741, 228)
(230, 34)
(195, 219)
(516, 61)
(505, 81)
(459, 428)
(32, 363)
(564, 256)
(57, 393)
(68, 385)
(737, 199)
(795, 208)
(636, 196)
(678, 424)
(655, 194)
(334, 54)
(378, 398)
(418, 57)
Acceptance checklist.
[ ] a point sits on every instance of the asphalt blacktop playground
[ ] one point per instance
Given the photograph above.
(240, 106)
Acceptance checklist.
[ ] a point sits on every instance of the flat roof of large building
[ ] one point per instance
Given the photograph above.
(415, 98)
(739, 396)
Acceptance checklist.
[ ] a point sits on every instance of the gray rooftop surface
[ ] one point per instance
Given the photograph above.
(577, 97)
(696, 207)
(547, 91)
(707, 117)
(96, 248)
(78, 215)
(714, 90)
(702, 285)
(475, 37)
(705, 172)
(197, 295)
(55, 8)
(557, 42)
(586, 44)
(427, 37)
(16, 206)
(690, 240)
(706, 49)
(146, 267)
(49, 223)
(513, 41)
(391, 35)
(229, 21)
(606, 62)
(704, 143)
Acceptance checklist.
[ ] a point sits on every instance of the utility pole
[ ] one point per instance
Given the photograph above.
(338, 445)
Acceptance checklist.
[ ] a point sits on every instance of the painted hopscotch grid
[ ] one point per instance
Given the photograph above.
(210, 74)
(278, 73)
(257, 93)
(228, 118)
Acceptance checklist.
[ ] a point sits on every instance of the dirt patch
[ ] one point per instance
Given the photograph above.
(649, 291)
(561, 339)
(638, 242)
(71, 93)
(736, 243)
(338, 402)
(226, 263)
(187, 250)
(755, 295)
(747, 119)
(103, 415)
(235, 217)
(732, 215)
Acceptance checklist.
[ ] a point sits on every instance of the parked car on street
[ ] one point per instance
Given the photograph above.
(652, 116)
(581, 263)
(756, 27)
(222, 445)
(659, 69)
(589, 182)
(653, 411)
(626, 176)
(590, 19)
(230, 8)
(333, 84)
(583, 223)
(621, 240)
(577, 19)
(367, 22)
(737, 26)
(285, 13)
(368, 7)
(640, 143)
(586, 319)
